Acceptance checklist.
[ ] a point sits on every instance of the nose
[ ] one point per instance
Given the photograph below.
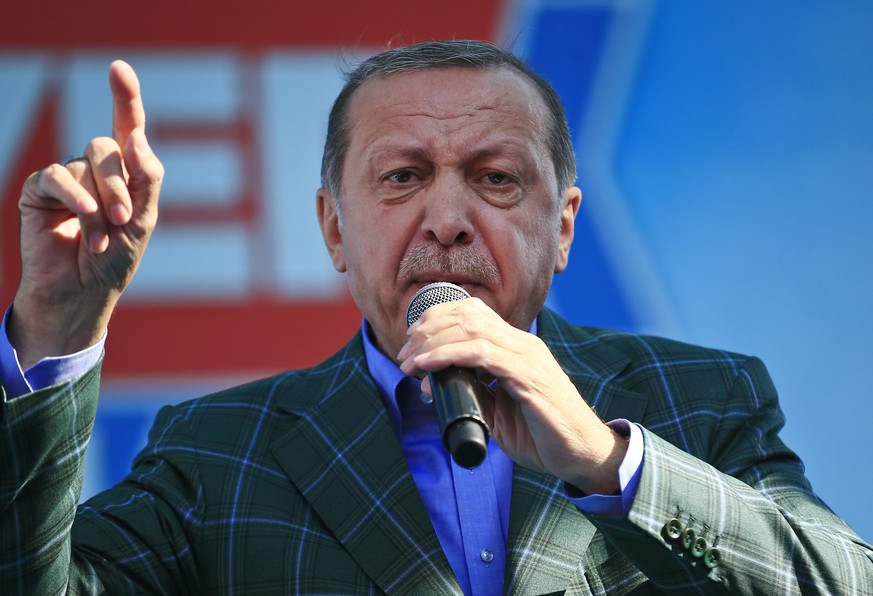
(448, 213)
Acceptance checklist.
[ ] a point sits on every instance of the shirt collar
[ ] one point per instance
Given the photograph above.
(388, 375)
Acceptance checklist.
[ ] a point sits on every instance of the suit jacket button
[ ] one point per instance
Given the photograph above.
(673, 528)
(688, 538)
(699, 547)
(712, 557)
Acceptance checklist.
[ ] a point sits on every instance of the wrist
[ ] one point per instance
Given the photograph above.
(40, 330)
(601, 477)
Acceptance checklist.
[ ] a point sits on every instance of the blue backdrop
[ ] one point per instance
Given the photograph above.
(726, 160)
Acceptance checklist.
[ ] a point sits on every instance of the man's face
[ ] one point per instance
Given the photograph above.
(448, 177)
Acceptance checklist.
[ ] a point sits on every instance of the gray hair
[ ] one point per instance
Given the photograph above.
(442, 54)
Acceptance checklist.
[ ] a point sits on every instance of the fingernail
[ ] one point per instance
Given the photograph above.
(99, 242)
(88, 206)
(118, 214)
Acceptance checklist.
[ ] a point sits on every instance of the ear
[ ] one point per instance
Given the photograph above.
(328, 219)
(572, 200)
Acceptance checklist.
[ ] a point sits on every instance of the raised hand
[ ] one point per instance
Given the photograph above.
(84, 229)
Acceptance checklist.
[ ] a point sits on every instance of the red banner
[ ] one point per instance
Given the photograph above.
(228, 290)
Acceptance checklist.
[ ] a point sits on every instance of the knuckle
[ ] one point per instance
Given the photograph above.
(100, 146)
(154, 170)
(52, 171)
(476, 302)
(49, 179)
(148, 178)
(474, 326)
(481, 348)
(34, 178)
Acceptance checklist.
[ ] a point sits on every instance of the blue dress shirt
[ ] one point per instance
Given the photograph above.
(45, 373)
(469, 509)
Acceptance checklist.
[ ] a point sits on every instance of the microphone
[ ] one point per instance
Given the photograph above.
(455, 390)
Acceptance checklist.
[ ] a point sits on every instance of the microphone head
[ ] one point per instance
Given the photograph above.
(435, 293)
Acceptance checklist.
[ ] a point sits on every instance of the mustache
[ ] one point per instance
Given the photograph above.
(462, 260)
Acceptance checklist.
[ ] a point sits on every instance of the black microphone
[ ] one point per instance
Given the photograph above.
(455, 390)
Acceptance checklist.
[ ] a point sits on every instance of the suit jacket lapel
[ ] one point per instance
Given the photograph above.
(548, 535)
(343, 456)
(593, 366)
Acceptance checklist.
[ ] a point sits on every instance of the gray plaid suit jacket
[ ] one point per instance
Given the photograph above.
(297, 484)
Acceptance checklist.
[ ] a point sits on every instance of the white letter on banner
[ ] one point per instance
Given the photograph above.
(192, 259)
(299, 90)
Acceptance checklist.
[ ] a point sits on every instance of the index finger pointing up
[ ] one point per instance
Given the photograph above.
(127, 109)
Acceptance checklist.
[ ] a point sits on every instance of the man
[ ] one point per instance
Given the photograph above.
(445, 161)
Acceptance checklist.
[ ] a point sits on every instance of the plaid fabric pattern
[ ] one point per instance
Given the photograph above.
(297, 484)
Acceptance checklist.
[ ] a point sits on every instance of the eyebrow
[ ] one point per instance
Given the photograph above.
(392, 152)
(499, 149)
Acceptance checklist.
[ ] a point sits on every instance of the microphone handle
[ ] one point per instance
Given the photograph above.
(464, 431)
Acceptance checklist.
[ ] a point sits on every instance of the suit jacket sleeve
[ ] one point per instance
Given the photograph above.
(44, 435)
(140, 545)
(744, 492)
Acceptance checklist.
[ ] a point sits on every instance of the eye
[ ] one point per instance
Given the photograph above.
(499, 188)
(497, 178)
(400, 177)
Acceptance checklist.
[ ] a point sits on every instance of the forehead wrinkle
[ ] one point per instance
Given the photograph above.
(454, 115)
(440, 112)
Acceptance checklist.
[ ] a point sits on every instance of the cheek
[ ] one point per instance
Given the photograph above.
(375, 244)
(535, 241)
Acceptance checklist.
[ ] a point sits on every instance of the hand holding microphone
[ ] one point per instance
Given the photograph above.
(455, 390)
(537, 415)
